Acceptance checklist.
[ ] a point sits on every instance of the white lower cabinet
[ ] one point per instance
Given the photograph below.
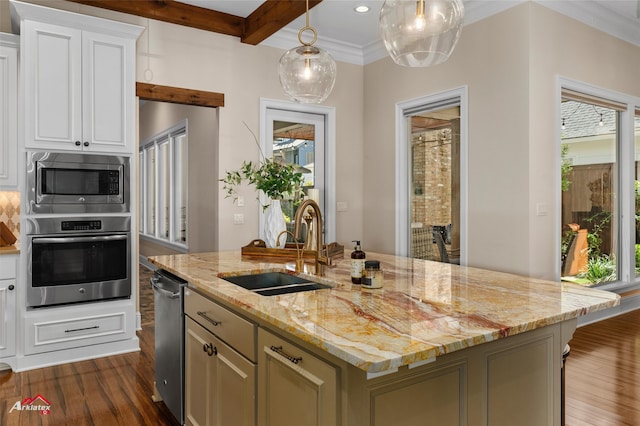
(62, 328)
(8, 278)
(294, 387)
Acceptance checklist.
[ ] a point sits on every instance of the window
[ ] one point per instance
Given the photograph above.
(600, 184)
(303, 135)
(163, 187)
(431, 150)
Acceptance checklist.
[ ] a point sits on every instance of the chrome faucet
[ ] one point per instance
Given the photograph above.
(299, 250)
(321, 259)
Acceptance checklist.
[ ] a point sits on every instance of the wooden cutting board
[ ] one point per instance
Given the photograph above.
(6, 236)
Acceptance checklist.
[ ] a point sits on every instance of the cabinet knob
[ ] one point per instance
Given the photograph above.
(210, 349)
(78, 143)
(11, 287)
(85, 143)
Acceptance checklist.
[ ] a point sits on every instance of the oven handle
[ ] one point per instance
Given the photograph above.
(66, 240)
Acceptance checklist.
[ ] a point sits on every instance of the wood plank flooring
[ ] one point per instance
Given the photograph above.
(602, 381)
(603, 373)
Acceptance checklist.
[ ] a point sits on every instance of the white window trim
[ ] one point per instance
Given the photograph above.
(403, 167)
(330, 154)
(144, 232)
(626, 160)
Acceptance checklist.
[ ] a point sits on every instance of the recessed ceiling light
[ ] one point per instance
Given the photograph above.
(361, 9)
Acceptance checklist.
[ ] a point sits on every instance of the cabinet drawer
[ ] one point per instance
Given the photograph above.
(236, 331)
(54, 335)
(8, 266)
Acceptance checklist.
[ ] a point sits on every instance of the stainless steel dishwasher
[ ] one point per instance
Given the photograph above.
(168, 297)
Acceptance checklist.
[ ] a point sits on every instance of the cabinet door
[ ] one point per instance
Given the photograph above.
(8, 116)
(7, 318)
(294, 387)
(53, 86)
(220, 384)
(108, 92)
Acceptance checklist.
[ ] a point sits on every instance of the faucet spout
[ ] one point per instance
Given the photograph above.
(299, 250)
(321, 260)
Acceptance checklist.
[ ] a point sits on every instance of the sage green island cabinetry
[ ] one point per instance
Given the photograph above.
(438, 344)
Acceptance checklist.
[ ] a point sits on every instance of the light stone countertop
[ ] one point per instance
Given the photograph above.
(425, 309)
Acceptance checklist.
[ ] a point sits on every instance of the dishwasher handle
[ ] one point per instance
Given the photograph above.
(162, 291)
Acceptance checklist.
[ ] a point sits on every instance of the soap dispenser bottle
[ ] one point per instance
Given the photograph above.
(357, 263)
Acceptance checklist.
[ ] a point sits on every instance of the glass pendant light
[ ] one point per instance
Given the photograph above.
(307, 73)
(421, 33)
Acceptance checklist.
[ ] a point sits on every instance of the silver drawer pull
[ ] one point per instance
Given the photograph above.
(211, 320)
(280, 351)
(95, 327)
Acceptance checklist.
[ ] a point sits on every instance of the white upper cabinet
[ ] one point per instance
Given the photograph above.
(79, 81)
(8, 112)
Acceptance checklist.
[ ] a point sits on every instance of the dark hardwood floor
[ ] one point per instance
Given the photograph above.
(108, 391)
(603, 373)
(602, 381)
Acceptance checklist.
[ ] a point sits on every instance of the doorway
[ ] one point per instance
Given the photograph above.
(431, 166)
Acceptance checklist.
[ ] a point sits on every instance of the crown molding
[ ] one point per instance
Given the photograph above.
(587, 12)
(599, 17)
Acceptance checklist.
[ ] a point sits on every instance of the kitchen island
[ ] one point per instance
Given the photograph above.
(453, 344)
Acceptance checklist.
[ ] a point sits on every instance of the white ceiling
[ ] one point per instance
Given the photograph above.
(352, 37)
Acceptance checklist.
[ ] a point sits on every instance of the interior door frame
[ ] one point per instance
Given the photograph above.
(403, 167)
(329, 114)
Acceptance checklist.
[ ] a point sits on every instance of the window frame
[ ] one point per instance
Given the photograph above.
(626, 157)
(403, 167)
(266, 146)
(168, 136)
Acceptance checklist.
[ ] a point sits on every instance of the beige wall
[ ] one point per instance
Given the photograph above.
(494, 67)
(202, 124)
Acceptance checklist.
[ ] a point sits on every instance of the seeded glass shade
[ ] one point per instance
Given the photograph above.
(421, 33)
(307, 74)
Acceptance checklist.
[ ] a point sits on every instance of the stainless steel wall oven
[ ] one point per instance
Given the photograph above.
(77, 183)
(81, 259)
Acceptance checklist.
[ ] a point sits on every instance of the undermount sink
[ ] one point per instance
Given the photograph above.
(273, 283)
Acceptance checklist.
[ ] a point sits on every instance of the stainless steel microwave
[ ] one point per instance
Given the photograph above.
(77, 183)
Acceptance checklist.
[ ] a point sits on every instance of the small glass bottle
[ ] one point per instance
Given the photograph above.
(357, 263)
(372, 276)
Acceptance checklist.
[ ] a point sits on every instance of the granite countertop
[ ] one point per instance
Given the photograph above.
(425, 309)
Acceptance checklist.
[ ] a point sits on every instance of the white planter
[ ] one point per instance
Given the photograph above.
(274, 224)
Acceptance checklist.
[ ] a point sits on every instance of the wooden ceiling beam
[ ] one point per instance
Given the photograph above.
(272, 16)
(178, 95)
(266, 20)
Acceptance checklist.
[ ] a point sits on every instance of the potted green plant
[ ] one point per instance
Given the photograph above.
(276, 179)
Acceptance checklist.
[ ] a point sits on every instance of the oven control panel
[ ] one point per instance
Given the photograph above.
(81, 225)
